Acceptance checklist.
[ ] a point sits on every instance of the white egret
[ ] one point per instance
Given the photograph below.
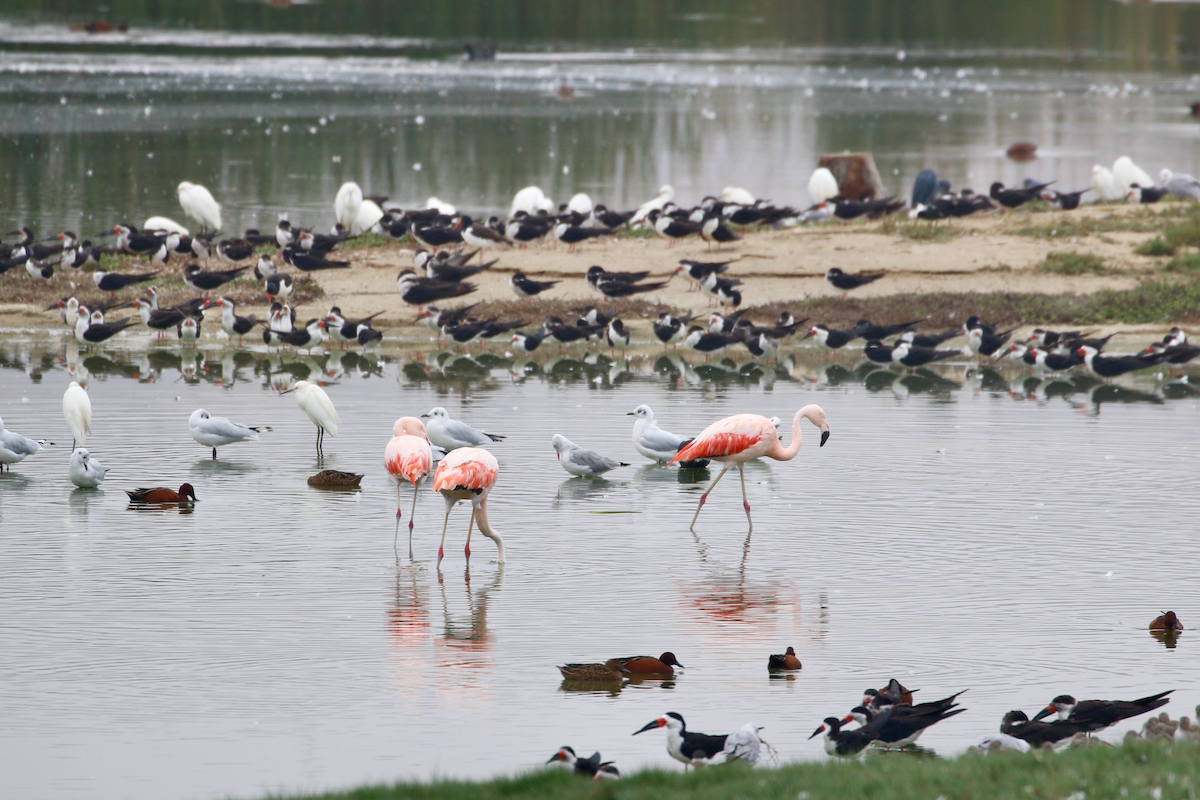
(77, 410)
(198, 203)
(316, 404)
(165, 225)
(822, 186)
(347, 204)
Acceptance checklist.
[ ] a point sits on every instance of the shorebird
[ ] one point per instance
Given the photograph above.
(450, 434)
(468, 473)
(653, 442)
(407, 457)
(590, 767)
(15, 448)
(742, 437)
(1102, 713)
(215, 432)
(85, 471)
(317, 406)
(198, 203)
(579, 462)
(697, 749)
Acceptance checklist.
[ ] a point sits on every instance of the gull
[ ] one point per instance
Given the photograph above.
(579, 462)
(215, 432)
(14, 447)
(86, 472)
(450, 434)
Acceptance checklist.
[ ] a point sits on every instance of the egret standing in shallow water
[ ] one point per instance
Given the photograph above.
(742, 437)
(468, 473)
(316, 404)
(215, 432)
(408, 457)
(85, 471)
(198, 203)
(77, 410)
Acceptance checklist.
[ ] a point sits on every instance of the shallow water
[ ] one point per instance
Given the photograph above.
(961, 529)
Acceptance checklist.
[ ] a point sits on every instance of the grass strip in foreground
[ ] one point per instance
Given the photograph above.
(1136, 770)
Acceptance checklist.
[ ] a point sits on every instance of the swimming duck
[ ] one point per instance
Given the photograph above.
(786, 661)
(162, 494)
(610, 670)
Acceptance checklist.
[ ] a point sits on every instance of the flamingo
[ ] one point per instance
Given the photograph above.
(468, 473)
(742, 437)
(408, 457)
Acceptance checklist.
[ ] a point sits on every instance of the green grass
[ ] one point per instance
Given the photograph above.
(1138, 771)
(1072, 263)
(640, 233)
(1075, 228)
(917, 230)
(1158, 246)
(1188, 264)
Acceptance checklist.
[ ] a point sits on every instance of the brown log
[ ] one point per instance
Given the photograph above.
(855, 174)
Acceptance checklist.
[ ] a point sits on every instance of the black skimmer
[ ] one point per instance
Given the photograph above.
(848, 743)
(760, 345)
(568, 334)
(310, 262)
(445, 270)
(1108, 367)
(986, 344)
(78, 257)
(595, 273)
(702, 341)
(306, 338)
(1174, 355)
(722, 324)
(188, 329)
(479, 235)
(234, 250)
(319, 244)
(523, 286)
(878, 352)
(868, 331)
(418, 291)
(231, 323)
(159, 319)
(851, 209)
(619, 284)
(673, 229)
(265, 268)
(435, 237)
(574, 234)
(113, 282)
(713, 232)
(368, 336)
(1018, 724)
(904, 726)
(16, 258)
(1048, 338)
(616, 334)
(437, 318)
(524, 229)
(131, 240)
(610, 219)
(696, 749)
(785, 661)
(344, 331)
(927, 340)
(278, 285)
(698, 271)
(36, 249)
(722, 289)
(39, 272)
(285, 234)
(1057, 362)
(975, 322)
(492, 328)
(464, 333)
(88, 332)
(526, 343)
(1145, 194)
(912, 356)
(1101, 713)
(844, 281)
(832, 339)
(671, 330)
(590, 767)
(895, 693)
(1067, 201)
(258, 238)
(204, 281)
(1011, 198)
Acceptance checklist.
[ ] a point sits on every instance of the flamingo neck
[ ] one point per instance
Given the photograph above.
(485, 527)
(789, 452)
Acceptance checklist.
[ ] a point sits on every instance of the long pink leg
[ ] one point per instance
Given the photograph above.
(745, 502)
(470, 527)
(441, 547)
(413, 513)
(397, 502)
(704, 497)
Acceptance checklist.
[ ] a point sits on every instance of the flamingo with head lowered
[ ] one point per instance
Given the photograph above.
(742, 437)
(468, 473)
(408, 457)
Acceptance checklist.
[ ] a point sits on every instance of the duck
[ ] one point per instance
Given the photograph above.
(332, 477)
(786, 661)
(1167, 621)
(649, 665)
(610, 670)
(161, 494)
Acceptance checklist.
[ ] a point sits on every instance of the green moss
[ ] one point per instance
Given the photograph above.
(1072, 263)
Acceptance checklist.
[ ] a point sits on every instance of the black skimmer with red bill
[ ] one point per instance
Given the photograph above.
(1145, 194)
(722, 289)
(832, 339)
(257, 238)
(204, 281)
(670, 330)
(845, 281)
(840, 742)
(590, 767)
(698, 271)
(1102, 713)
(345, 331)
(1017, 723)
(1108, 367)
(113, 282)
(928, 339)
(435, 237)
(613, 288)
(912, 356)
(1057, 362)
(465, 333)
(279, 285)
(1174, 355)
(265, 268)
(695, 749)
(974, 322)
(234, 250)
(707, 343)
(1011, 198)
(39, 272)
(159, 319)
(1048, 338)
(306, 338)
(418, 291)
(231, 323)
(437, 318)
(722, 324)
(526, 343)
(523, 286)
(88, 332)
(760, 345)
(572, 235)
(904, 726)
(673, 229)
(131, 240)
(36, 249)
(310, 262)
(595, 273)
(188, 329)
(866, 330)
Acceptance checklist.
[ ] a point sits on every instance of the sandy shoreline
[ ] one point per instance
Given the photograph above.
(777, 266)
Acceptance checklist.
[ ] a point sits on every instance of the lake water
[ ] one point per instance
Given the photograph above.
(962, 529)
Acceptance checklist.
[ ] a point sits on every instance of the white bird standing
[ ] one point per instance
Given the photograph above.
(450, 434)
(579, 462)
(77, 410)
(369, 213)
(822, 186)
(14, 447)
(1105, 185)
(216, 432)
(652, 441)
(1180, 185)
(198, 203)
(665, 195)
(1126, 173)
(737, 196)
(86, 472)
(531, 199)
(347, 204)
(318, 407)
(580, 203)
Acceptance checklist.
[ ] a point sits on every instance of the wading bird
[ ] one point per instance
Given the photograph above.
(468, 473)
(77, 410)
(319, 408)
(408, 457)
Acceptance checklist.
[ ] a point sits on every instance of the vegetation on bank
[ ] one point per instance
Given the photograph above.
(1139, 770)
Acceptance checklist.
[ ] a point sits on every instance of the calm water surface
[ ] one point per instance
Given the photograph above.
(961, 529)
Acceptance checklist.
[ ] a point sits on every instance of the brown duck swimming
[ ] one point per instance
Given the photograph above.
(1167, 621)
(786, 661)
(607, 672)
(161, 494)
(333, 477)
(649, 665)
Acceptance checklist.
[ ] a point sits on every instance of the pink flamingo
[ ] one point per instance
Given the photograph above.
(737, 439)
(468, 473)
(408, 457)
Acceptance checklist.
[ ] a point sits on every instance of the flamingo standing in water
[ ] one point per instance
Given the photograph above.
(468, 473)
(408, 457)
(742, 437)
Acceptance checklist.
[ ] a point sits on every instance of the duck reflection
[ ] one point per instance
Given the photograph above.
(1168, 638)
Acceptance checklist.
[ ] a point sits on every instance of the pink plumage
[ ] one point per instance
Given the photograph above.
(408, 457)
(468, 473)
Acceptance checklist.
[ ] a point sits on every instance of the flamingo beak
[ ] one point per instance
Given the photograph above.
(824, 436)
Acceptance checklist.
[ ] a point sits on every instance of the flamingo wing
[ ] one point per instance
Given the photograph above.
(410, 457)
(468, 468)
(726, 437)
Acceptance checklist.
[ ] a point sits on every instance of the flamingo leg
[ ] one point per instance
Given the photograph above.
(441, 547)
(413, 512)
(398, 502)
(745, 502)
(470, 527)
(704, 497)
